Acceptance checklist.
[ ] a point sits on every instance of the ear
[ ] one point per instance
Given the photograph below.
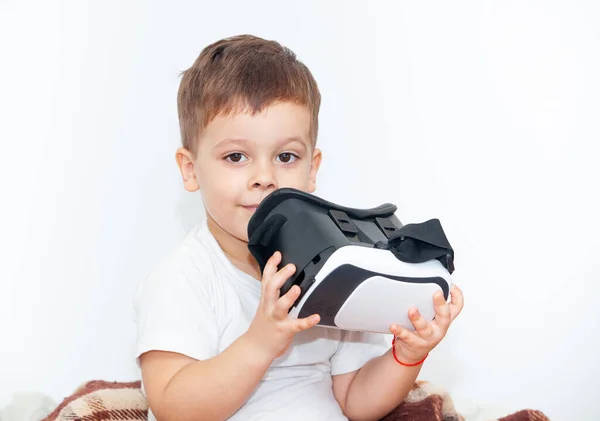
(185, 161)
(314, 168)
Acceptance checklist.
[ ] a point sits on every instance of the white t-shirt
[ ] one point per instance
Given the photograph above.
(197, 303)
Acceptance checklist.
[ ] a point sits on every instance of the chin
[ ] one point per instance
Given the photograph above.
(234, 222)
(239, 229)
(240, 233)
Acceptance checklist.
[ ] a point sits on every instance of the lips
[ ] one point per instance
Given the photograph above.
(252, 207)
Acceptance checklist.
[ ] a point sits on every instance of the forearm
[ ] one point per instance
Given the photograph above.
(379, 387)
(214, 389)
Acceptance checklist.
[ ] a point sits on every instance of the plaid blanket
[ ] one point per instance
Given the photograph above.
(109, 401)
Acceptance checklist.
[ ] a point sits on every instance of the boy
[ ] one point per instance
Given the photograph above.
(214, 338)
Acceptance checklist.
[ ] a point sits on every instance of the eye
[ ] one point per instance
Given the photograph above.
(235, 157)
(287, 157)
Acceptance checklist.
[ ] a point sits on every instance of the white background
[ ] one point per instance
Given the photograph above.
(484, 114)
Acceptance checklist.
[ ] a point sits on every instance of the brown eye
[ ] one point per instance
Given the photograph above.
(235, 157)
(287, 157)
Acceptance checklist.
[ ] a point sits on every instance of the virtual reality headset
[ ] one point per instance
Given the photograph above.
(359, 269)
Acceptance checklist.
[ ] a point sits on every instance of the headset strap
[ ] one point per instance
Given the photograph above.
(418, 243)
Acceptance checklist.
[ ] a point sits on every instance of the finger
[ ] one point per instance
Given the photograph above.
(270, 270)
(404, 335)
(442, 310)
(422, 328)
(298, 325)
(275, 282)
(271, 267)
(282, 306)
(456, 301)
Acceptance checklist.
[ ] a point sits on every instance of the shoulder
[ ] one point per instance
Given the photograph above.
(189, 268)
(174, 307)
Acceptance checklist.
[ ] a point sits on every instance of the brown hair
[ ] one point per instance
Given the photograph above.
(244, 72)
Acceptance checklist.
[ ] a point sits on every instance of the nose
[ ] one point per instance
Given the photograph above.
(263, 176)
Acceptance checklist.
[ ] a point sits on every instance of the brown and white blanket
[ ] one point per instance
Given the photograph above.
(109, 401)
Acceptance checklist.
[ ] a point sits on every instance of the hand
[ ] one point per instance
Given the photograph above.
(412, 347)
(272, 330)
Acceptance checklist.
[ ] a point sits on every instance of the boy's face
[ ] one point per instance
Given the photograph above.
(242, 158)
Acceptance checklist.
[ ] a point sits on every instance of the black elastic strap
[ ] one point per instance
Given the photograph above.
(418, 243)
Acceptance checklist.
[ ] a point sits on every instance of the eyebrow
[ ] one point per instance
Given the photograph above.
(241, 141)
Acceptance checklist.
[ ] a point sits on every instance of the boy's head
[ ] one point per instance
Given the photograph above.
(248, 112)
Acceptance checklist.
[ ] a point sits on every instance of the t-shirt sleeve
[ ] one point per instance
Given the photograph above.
(356, 349)
(173, 316)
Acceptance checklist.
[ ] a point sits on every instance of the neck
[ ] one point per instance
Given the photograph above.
(235, 249)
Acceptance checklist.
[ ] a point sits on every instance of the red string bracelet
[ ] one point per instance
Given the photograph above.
(400, 362)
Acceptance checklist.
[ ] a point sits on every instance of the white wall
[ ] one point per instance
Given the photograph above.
(483, 114)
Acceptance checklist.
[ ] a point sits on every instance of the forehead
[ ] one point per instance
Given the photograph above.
(272, 123)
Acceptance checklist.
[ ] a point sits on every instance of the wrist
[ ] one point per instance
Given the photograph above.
(407, 359)
(256, 350)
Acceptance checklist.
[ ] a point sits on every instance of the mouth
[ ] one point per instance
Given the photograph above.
(251, 208)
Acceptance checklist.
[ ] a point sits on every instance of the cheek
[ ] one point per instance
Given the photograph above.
(220, 192)
(220, 187)
(214, 176)
(298, 178)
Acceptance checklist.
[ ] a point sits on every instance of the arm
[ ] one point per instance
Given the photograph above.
(376, 389)
(181, 388)
(382, 384)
